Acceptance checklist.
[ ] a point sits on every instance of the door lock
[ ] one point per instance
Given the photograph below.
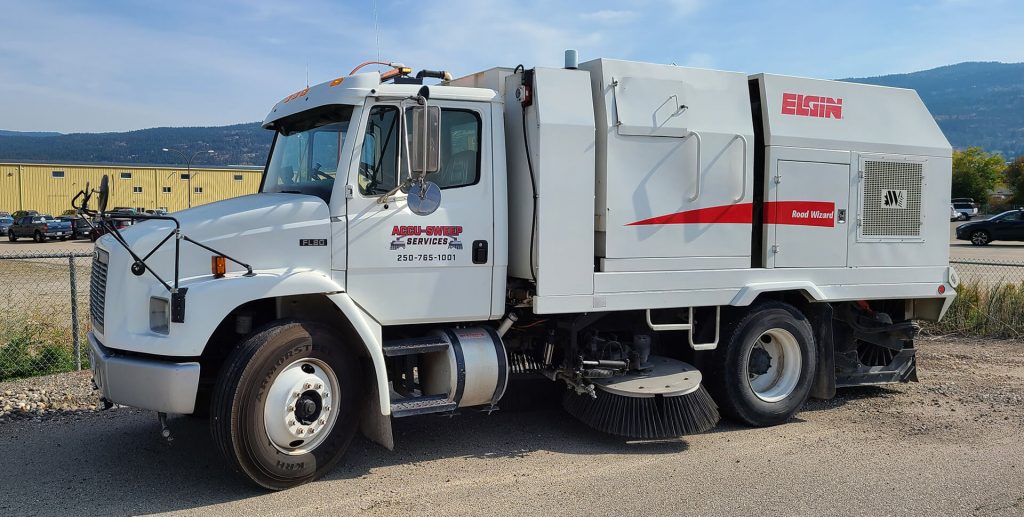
(479, 252)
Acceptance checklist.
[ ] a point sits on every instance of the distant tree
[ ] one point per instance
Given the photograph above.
(976, 173)
(1015, 179)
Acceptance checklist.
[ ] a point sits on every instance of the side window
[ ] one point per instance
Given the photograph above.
(460, 150)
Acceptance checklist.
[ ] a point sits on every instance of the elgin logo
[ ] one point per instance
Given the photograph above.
(811, 106)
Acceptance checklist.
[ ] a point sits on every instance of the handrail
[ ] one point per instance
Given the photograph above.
(743, 168)
(696, 193)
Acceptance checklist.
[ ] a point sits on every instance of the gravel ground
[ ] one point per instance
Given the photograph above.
(41, 398)
(952, 444)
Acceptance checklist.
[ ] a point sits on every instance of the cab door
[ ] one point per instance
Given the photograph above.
(408, 268)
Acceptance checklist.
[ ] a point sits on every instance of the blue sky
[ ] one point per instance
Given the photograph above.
(117, 65)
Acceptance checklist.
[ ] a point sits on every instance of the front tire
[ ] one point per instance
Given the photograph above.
(283, 410)
(762, 373)
(980, 238)
(11, 237)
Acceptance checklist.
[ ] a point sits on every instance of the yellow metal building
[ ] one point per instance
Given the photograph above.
(48, 188)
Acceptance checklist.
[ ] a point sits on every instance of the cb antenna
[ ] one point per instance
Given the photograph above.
(376, 30)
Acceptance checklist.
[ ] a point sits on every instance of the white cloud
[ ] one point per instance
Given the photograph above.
(610, 16)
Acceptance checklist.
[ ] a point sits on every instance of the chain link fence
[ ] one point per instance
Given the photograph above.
(989, 302)
(44, 308)
(990, 272)
(44, 313)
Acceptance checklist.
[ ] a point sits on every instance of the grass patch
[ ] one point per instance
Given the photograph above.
(984, 310)
(34, 344)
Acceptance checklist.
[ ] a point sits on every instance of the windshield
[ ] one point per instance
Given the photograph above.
(307, 151)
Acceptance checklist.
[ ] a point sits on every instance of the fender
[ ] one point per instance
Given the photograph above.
(369, 330)
(749, 293)
(375, 423)
(207, 302)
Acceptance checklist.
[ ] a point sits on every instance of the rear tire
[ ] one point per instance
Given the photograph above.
(39, 237)
(262, 431)
(763, 371)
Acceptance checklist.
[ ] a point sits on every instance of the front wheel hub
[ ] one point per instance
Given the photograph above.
(297, 412)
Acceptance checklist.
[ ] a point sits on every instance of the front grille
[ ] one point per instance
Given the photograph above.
(891, 200)
(98, 288)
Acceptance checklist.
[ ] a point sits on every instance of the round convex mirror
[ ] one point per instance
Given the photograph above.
(424, 201)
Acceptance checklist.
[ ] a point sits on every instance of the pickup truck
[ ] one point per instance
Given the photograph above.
(39, 227)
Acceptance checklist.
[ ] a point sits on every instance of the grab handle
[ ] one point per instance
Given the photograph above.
(696, 193)
(743, 168)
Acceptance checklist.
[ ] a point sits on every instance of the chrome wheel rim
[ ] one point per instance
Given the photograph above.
(773, 365)
(298, 412)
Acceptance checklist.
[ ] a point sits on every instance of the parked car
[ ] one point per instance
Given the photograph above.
(966, 210)
(40, 228)
(98, 231)
(953, 214)
(5, 222)
(23, 213)
(5, 214)
(1007, 226)
(79, 228)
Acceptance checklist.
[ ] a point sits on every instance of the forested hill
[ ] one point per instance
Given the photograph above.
(240, 144)
(975, 104)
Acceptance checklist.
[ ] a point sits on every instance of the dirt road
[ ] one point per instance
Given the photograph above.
(952, 444)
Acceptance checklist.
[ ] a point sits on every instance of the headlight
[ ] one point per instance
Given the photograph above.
(159, 315)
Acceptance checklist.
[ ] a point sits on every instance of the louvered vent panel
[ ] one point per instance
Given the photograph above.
(891, 200)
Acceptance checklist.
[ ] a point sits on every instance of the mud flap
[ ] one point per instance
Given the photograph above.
(824, 386)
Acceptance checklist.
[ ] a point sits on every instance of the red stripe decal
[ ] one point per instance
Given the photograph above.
(799, 213)
(737, 214)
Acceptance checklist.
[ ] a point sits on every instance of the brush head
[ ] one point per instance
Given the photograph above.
(666, 400)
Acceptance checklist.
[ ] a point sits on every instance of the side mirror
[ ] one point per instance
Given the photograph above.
(426, 139)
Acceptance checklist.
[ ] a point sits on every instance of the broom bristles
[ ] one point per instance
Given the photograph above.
(645, 417)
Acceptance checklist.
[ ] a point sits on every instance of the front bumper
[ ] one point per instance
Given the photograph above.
(145, 383)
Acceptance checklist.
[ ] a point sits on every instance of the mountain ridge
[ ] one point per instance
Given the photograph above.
(976, 103)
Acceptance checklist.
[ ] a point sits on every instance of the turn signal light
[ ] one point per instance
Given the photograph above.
(218, 265)
(942, 289)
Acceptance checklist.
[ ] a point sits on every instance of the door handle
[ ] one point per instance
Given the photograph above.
(479, 252)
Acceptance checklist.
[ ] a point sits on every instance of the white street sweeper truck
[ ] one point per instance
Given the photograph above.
(663, 242)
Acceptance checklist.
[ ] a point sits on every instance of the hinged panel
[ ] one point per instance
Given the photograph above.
(651, 107)
(804, 212)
